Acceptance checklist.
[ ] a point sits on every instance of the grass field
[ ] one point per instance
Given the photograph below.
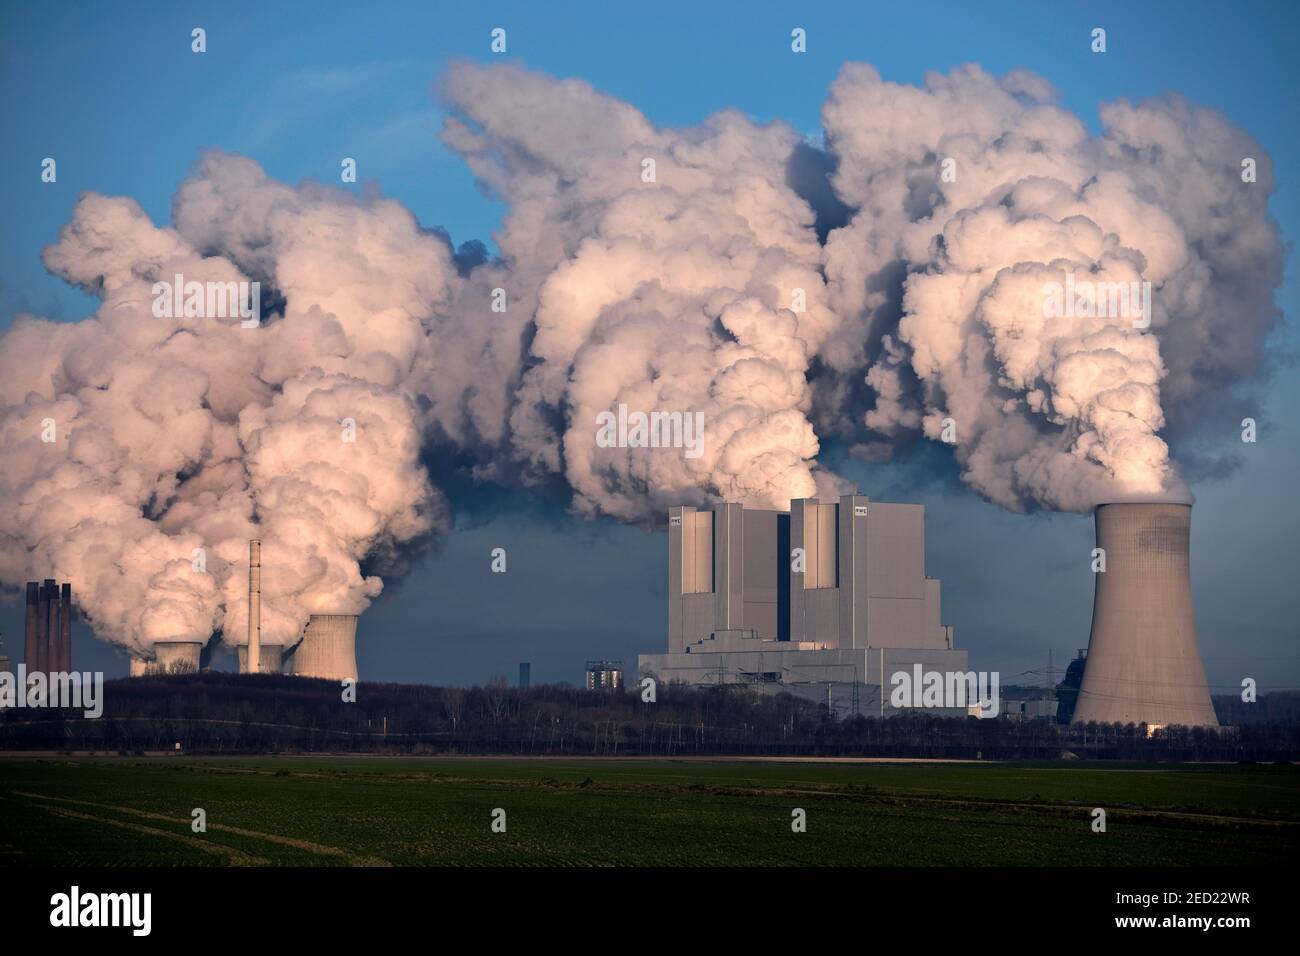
(321, 811)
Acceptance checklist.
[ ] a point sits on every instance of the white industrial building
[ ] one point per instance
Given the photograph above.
(824, 600)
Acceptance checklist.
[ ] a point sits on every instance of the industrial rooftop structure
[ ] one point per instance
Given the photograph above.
(827, 599)
(47, 644)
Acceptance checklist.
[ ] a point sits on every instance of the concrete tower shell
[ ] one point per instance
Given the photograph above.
(269, 659)
(176, 657)
(1143, 663)
(328, 648)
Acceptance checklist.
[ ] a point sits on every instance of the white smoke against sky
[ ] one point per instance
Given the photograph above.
(197, 433)
(922, 301)
(1057, 413)
(674, 295)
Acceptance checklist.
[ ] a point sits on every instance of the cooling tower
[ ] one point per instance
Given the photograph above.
(270, 660)
(176, 657)
(139, 666)
(328, 648)
(1143, 663)
(250, 662)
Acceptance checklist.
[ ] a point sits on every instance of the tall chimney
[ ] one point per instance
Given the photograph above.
(65, 629)
(254, 606)
(1143, 663)
(50, 654)
(43, 610)
(32, 635)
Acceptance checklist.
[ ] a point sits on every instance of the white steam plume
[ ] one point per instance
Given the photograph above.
(791, 293)
(672, 295)
(176, 434)
(1058, 412)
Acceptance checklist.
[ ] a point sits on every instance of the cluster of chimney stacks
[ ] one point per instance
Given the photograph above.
(48, 645)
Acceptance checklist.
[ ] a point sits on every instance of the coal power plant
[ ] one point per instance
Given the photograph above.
(47, 645)
(326, 649)
(1143, 664)
(827, 601)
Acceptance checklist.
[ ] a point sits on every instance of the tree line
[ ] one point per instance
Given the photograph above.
(216, 712)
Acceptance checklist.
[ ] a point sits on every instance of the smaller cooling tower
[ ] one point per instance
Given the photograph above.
(328, 648)
(176, 657)
(139, 666)
(269, 660)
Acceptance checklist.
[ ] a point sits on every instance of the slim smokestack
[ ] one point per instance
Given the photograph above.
(32, 635)
(49, 623)
(65, 630)
(1143, 663)
(52, 642)
(254, 606)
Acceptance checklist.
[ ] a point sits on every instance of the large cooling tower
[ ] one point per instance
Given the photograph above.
(268, 660)
(1143, 663)
(328, 648)
(176, 657)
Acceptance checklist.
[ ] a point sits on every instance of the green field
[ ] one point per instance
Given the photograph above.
(377, 811)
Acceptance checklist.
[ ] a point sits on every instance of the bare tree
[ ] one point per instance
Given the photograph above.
(454, 699)
(498, 693)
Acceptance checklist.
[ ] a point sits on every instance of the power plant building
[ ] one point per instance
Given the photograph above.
(827, 600)
(604, 675)
(47, 644)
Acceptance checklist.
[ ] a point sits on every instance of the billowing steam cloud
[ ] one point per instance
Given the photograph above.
(886, 284)
(948, 275)
(178, 439)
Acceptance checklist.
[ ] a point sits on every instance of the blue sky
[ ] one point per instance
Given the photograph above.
(115, 94)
